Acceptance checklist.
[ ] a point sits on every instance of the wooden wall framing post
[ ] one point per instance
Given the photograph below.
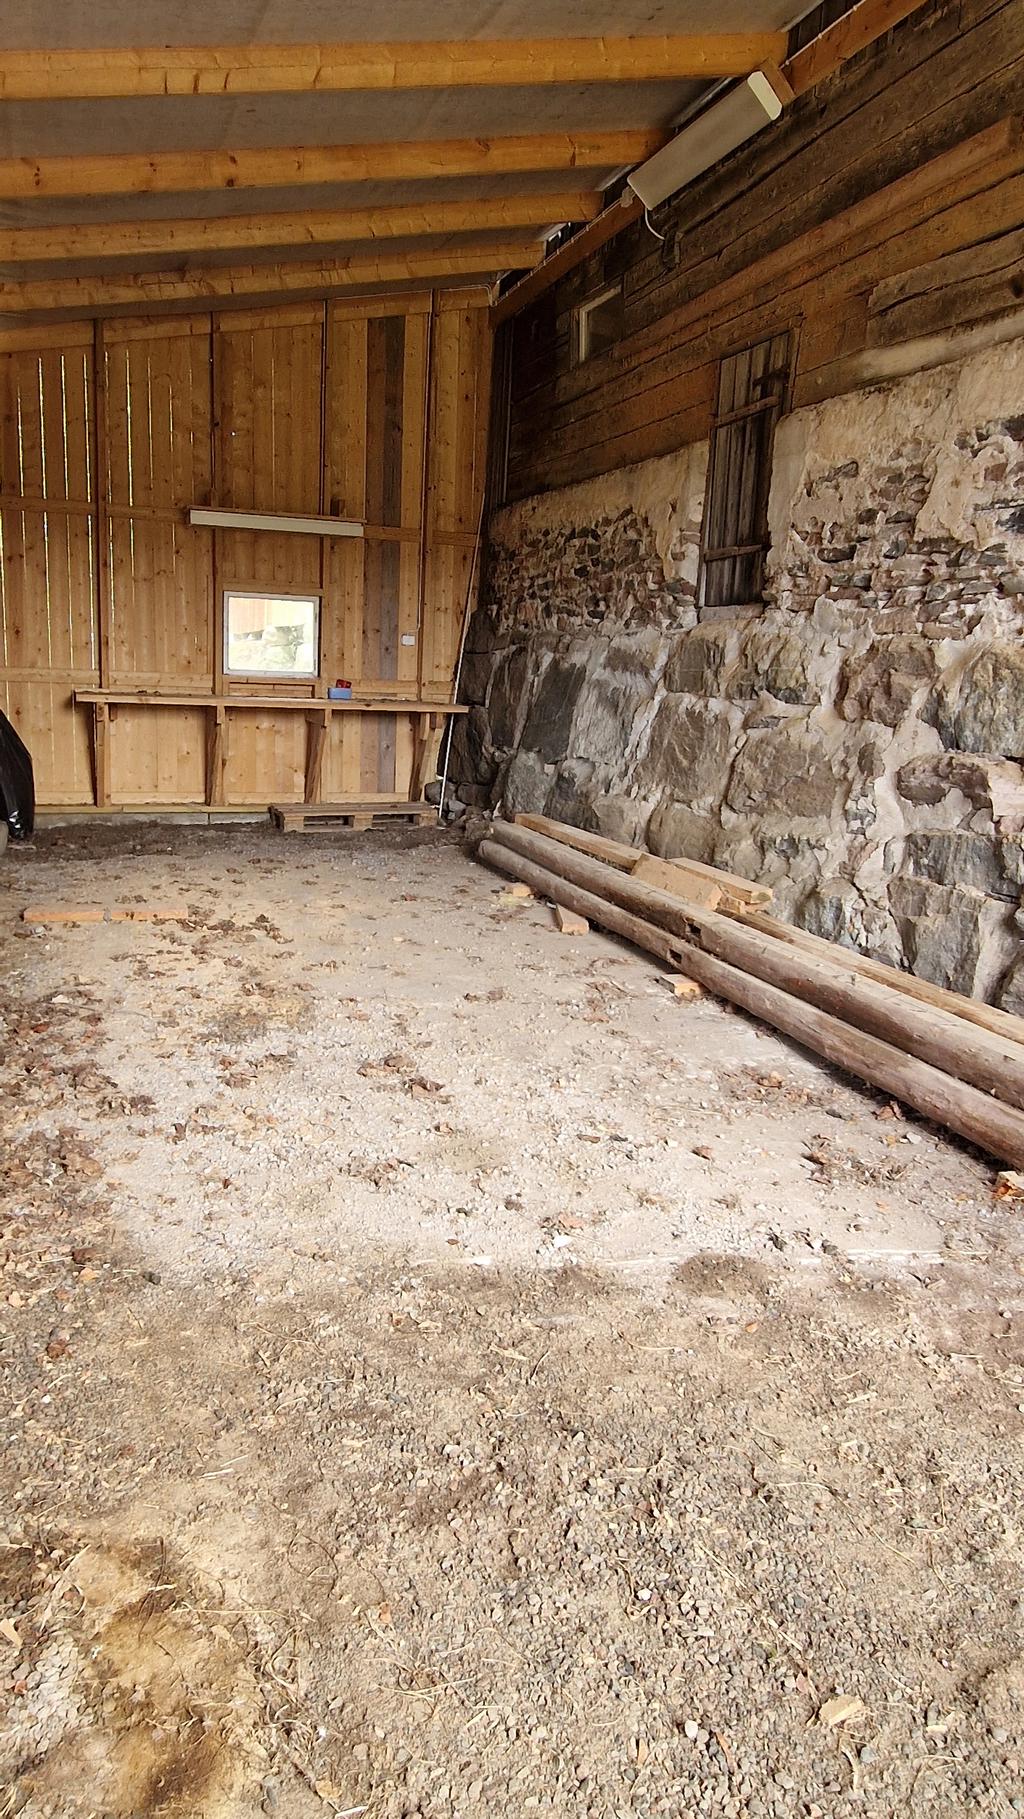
(428, 744)
(318, 724)
(216, 756)
(102, 714)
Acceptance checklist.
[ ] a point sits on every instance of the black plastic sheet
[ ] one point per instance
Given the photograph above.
(17, 784)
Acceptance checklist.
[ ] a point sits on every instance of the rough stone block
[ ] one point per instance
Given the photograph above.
(678, 832)
(697, 663)
(619, 817)
(473, 758)
(785, 771)
(1010, 995)
(526, 785)
(607, 716)
(507, 697)
(991, 783)
(951, 856)
(982, 709)
(550, 719)
(775, 663)
(881, 683)
(475, 676)
(689, 749)
(569, 798)
(950, 935)
(835, 911)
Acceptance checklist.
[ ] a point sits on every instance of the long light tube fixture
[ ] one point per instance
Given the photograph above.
(728, 123)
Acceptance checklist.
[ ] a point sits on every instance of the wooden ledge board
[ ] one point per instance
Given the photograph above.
(308, 703)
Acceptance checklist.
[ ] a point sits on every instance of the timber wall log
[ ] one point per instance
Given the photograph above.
(747, 250)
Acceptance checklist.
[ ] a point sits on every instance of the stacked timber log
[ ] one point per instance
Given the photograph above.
(954, 1060)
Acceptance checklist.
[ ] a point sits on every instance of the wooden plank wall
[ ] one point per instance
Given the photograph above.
(48, 618)
(867, 179)
(110, 431)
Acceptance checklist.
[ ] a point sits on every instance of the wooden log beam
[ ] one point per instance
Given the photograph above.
(988, 1062)
(994, 1127)
(306, 69)
(280, 167)
(834, 46)
(970, 1010)
(627, 858)
(316, 277)
(320, 227)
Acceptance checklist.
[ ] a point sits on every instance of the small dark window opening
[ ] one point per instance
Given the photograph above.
(600, 322)
(752, 388)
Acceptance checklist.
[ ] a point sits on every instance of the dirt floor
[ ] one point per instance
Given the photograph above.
(446, 1376)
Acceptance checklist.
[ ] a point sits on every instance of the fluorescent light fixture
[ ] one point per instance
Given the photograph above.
(740, 114)
(216, 519)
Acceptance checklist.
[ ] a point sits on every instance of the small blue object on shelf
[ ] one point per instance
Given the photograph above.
(342, 691)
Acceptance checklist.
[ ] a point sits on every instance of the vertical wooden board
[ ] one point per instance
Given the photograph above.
(341, 639)
(449, 569)
(269, 412)
(414, 379)
(407, 655)
(457, 457)
(158, 435)
(274, 560)
(161, 604)
(54, 426)
(56, 733)
(443, 425)
(47, 605)
(67, 568)
(77, 388)
(266, 757)
(47, 616)
(346, 404)
(369, 755)
(158, 755)
(386, 750)
(23, 425)
(343, 759)
(373, 588)
(405, 744)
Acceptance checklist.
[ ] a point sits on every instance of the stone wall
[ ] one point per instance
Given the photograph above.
(857, 742)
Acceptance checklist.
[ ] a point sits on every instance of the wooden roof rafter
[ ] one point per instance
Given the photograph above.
(274, 167)
(263, 69)
(320, 227)
(314, 277)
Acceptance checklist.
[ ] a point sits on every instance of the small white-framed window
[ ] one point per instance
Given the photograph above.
(600, 322)
(271, 634)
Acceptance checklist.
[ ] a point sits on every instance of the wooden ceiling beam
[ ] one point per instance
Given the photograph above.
(301, 69)
(164, 173)
(144, 289)
(142, 239)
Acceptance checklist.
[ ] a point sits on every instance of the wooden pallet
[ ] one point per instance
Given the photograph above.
(307, 817)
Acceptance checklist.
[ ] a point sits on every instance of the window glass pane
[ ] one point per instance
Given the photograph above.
(270, 635)
(601, 323)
